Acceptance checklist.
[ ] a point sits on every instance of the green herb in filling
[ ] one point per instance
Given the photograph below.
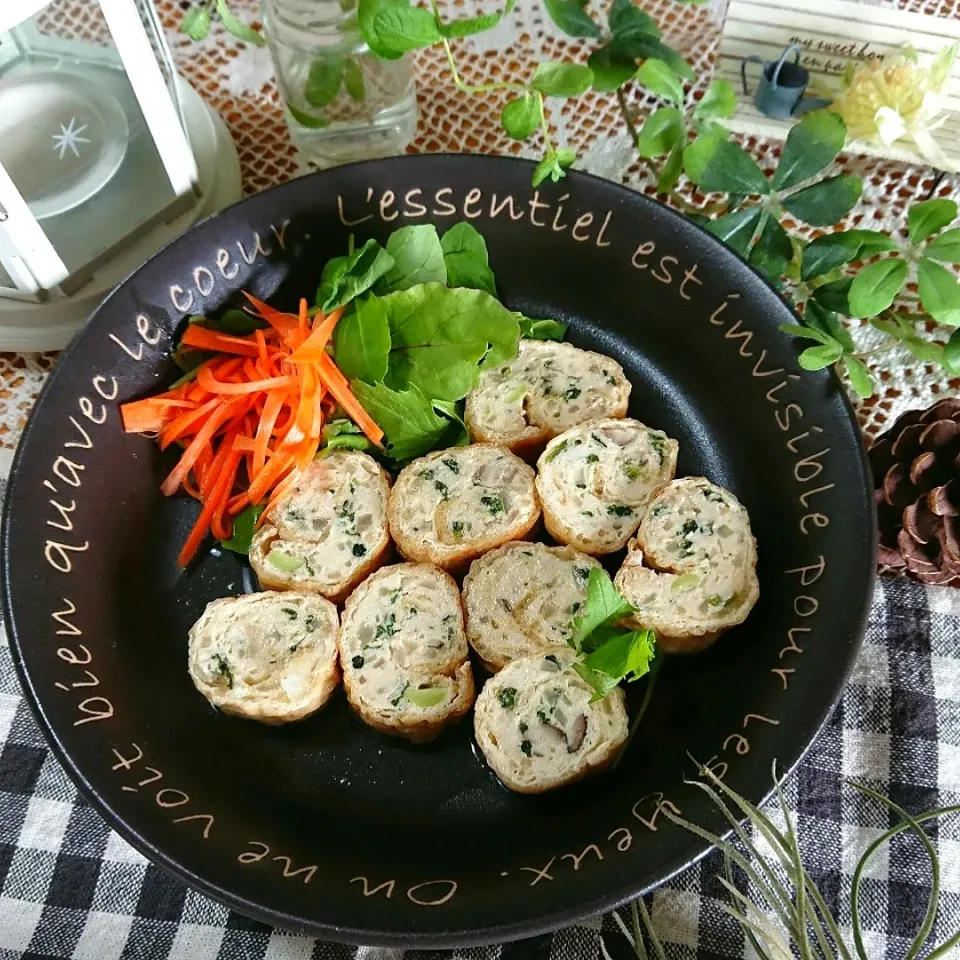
(223, 668)
(451, 465)
(508, 698)
(457, 528)
(526, 748)
(572, 393)
(630, 470)
(619, 510)
(592, 458)
(357, 662)
(359, 550)
(556, 451)
(493, 502)
(289, 613)
(387, 628)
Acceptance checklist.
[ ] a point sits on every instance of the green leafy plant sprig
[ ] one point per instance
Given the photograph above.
(199, 18)
(783, 920)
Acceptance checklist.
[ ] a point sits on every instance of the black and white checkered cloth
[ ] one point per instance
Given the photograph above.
(70, 887)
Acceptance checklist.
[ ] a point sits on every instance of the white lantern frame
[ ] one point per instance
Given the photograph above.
(26, 253)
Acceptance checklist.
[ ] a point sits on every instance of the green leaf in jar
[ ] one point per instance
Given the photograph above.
(353, 80)
(323, 81)
(306, 119)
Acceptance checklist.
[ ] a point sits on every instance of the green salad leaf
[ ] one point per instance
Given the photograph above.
(541, 329)
(441, 337)
(417, 258)
(466, 259)
(457, 435)
(344, 435)
(345, 278)
(410, 425)
(244, 527)
(361, 340)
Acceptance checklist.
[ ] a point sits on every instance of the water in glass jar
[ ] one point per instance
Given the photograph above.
(342, 102)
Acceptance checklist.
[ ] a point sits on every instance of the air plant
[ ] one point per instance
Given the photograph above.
(783, 920)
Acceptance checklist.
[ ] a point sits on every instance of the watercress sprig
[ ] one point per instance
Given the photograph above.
(608, 652)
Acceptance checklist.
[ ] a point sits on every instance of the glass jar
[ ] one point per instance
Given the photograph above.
(342, 102)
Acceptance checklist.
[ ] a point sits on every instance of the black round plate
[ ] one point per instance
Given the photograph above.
(326, 826)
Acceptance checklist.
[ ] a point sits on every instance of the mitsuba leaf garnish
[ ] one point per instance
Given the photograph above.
(609, 652)
(244, 527)
(409, 422)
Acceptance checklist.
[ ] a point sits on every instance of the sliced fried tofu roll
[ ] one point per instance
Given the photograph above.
(691, 571)
(266, 656)
(537, 727)
(596, 480)
(330, 531)
(404, 652)
(523, 597)
(546, 389)
(453, 505)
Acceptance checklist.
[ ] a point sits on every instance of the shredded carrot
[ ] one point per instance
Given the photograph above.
(340, 388)
(251, 418)
(315, 345)
(203, 339)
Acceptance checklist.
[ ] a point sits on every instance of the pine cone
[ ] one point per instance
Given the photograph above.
(916, 472)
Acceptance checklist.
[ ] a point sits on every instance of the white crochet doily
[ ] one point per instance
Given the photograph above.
(238, 81)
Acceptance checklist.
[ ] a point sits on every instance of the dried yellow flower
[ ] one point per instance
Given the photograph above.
(899, 100)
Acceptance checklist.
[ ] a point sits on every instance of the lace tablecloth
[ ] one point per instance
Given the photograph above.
(238, 81)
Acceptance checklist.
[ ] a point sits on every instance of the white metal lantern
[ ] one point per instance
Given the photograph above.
(93, 146)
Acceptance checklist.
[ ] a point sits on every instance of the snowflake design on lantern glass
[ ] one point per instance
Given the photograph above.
(69, 137)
